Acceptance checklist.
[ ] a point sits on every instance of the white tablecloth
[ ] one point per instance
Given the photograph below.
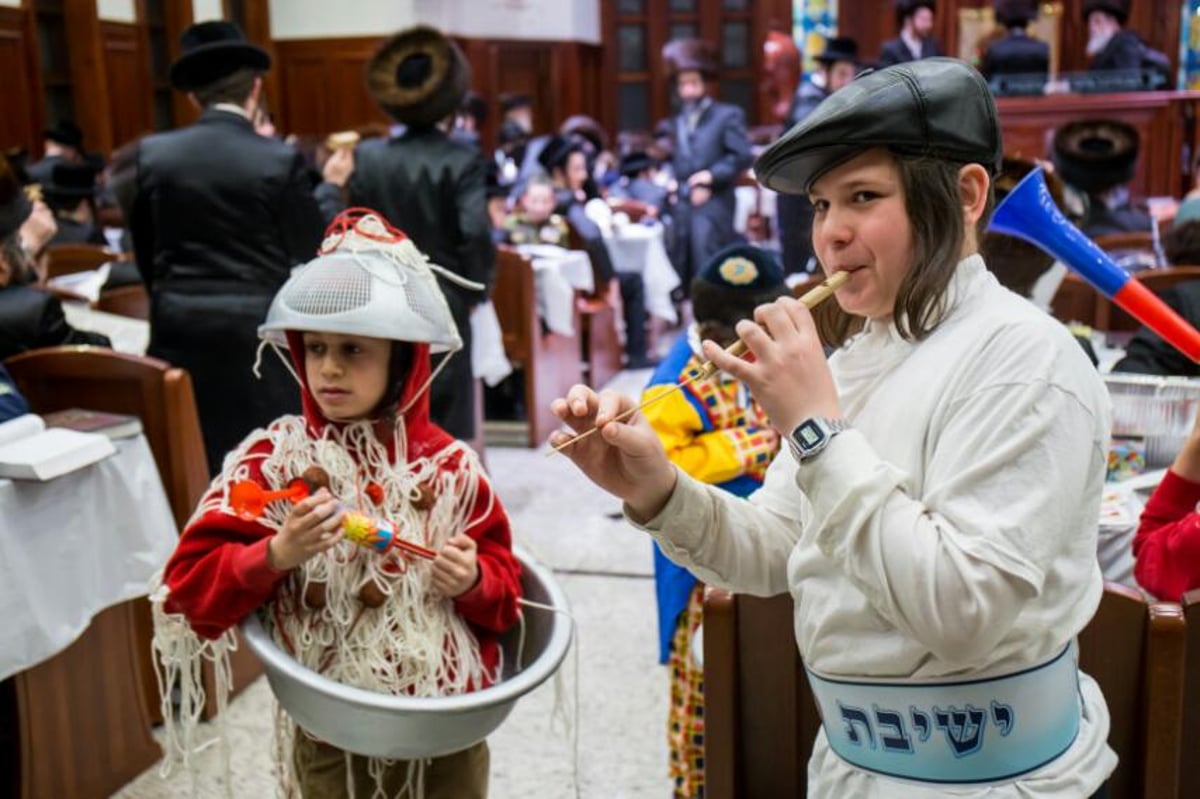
(640, 248)
(557, 273)
(73, 546)
(127, 334)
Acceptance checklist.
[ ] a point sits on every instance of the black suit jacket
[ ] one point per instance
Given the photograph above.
(219, 216)
(895, 51)
(1149, 355)
(31, 318)
(1016, 54)
(1123, 51)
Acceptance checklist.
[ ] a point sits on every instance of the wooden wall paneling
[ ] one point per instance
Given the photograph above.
(323, 86)
(177, 17)
(483, 83)
(21, 124)
(88, 75)
(127, 69)
(254, 18)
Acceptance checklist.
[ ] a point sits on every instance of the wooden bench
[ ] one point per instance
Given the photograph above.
(600, 344)
(97, 378)
(761, 720)
(1189, 775)
(550, 361)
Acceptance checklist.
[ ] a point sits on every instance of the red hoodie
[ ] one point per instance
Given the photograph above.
(219, 571)
(1167, 546)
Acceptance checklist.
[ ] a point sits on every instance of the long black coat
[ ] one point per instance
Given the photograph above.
(219, 217)
(719, 144)
(31, 318)
(433, 189)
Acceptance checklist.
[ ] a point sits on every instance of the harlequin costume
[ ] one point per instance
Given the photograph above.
(355, 616)
(715, 431)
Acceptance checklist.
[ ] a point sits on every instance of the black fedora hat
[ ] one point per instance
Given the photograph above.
(635, 162)
(556, 152)
(211, 50)
(839, 48)
(1015, 13)
(14, 204)
(1095, 155)
(1117, 8)
(70, 181)
(418, 76)
(66, 133)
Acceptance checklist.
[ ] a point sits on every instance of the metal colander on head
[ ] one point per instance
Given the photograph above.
(369, 280)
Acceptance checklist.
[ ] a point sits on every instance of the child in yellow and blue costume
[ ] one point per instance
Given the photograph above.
(715, 431)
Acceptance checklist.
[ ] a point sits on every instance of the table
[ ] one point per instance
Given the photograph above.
(558, 273)
(76, 553)
(126, 333)
(640, 248)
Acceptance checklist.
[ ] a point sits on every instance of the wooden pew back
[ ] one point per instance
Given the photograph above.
(551, 362)
(761, 721)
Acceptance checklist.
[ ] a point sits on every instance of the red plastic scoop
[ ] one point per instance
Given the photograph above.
(248, 499)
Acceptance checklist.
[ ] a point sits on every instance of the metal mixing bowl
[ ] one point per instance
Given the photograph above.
(370, 723)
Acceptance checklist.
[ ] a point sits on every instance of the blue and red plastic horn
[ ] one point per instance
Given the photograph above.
(1029, 213)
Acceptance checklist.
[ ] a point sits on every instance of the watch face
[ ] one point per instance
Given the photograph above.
(808, 435)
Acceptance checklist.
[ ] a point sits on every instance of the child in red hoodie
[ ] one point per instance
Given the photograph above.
(359, 322)
(1167, 546)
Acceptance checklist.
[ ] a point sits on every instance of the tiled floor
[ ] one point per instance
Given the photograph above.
(605, 568)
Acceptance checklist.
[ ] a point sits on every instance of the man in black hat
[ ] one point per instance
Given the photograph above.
(29, 316)
(1097, 158)
(1113, 48)
(914, 18)
(432, 188)
(837, 66)
(70, 193)
(711, 152)
(63, 144)
(1017, 53)
(219, 216)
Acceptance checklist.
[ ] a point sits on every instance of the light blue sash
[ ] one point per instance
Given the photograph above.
(967, 731)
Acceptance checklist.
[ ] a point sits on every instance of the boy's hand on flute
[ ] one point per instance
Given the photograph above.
(788, 374)
(625, 457)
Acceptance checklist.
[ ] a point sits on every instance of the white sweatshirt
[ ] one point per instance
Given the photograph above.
(950, 532)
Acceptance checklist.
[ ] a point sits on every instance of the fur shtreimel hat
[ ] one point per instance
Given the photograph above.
(211, 50)
(684, 55)
(1095, 155)
(1015, 13)
(1118, 8)
(418, 76)
(14, 205)
(734, 282)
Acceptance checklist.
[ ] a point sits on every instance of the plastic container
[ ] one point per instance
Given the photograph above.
(1159, 410)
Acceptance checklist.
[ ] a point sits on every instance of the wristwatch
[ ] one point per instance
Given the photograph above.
(812, 435)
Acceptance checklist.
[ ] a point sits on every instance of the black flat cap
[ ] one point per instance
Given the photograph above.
(935, 107)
